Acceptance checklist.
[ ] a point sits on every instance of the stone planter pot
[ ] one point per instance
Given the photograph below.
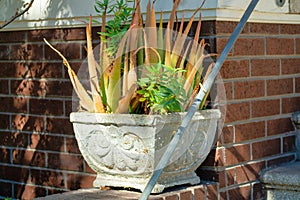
(124, 149)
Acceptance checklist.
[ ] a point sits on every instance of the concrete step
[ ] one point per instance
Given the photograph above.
(282, 182)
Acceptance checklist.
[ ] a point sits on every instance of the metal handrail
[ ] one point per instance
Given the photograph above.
(190, 113)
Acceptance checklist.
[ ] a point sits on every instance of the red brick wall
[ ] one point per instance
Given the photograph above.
(261, 77)
(39, 154)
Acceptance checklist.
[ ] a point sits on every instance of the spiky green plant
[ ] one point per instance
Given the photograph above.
(150, 70)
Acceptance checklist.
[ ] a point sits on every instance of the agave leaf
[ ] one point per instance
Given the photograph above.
(147, 53)
(193, 52)
(191, 76)
(114, 75)
(148, 15)
(168, 47)
(168, 34)
(172, 15)
(198, 29)
(137, 16)
(125, 101)
(178, 46)
(209, 69)
(132, 78)
(182, 59)
(85, 99)
(98, 105)
(153, 30)
(160, 42)
(192, 98)
(125, 71)
(181, 38)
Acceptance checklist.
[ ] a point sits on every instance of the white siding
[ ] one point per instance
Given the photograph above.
(70, 13)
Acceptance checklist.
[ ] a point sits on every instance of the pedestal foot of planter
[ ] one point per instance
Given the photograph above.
(139, 183)
(136, 183)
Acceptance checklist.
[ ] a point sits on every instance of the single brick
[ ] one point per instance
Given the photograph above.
(8, 69)
(279, 126)
(265, 67)
(262, 108)
(69, 50)
(279, 86)
(249, 172)
(249, 89)
(228, 27)
(237, 154)
(74, 34)
(249, 131)
(264, 28)
(290, 105)
(172, 197)
(186, 195)
(46, 106)
(289, 29)
(235, 69)
(12, 36)
(249, 46)
(266, 148)
(237, 111)
(291, 66)
(280, 46)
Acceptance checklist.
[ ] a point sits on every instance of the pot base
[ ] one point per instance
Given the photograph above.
(140, 183)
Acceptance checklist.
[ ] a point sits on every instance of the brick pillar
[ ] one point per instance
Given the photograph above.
(261, 77)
